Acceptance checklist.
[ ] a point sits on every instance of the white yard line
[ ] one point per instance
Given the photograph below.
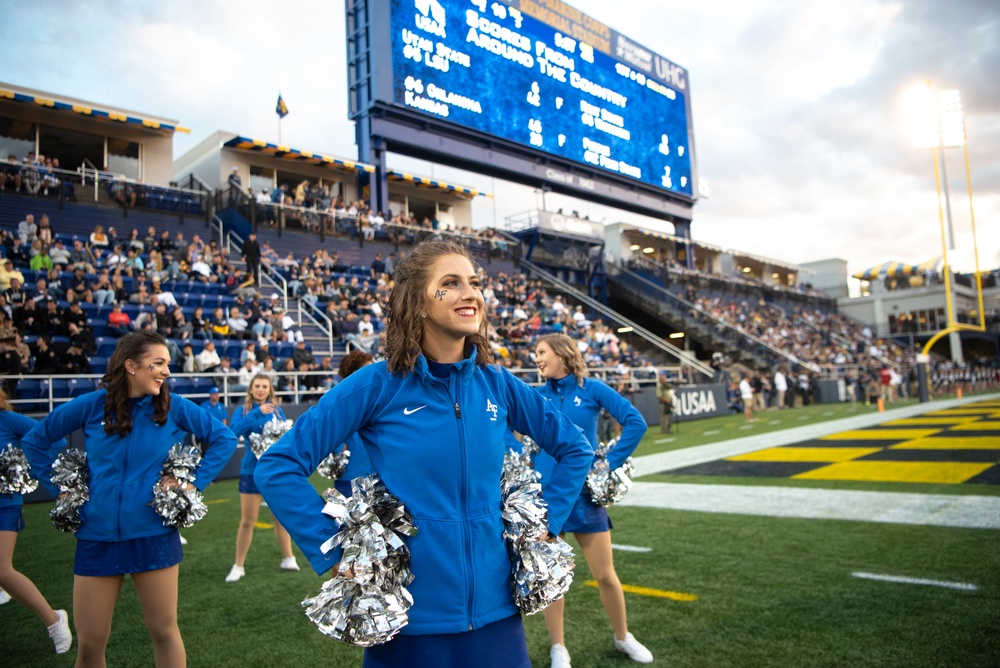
(972, 512)
(630, 548)
(917, 581)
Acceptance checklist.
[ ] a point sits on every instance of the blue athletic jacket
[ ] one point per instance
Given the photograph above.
(124, 470)
(582, 405)
(13, 426)
(359, 464)
(438, 446)
(253, 422)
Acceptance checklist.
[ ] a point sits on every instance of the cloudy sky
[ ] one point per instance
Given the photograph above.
(798, 121)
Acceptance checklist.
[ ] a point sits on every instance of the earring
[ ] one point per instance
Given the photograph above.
(423, 315)
(132, 372)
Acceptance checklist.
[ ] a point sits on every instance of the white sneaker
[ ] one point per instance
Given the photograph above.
(559, 656)
(289, 564)
(4, 597)
(635, 649)
(235, 573)
(184, 540)
(61, 636)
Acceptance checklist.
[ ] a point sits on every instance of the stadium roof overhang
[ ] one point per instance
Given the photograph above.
(675, 238)
(442, 186)
(262, 147)
(82, 108)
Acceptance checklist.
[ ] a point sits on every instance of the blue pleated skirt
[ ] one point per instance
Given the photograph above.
(498, 645)
(97, 558)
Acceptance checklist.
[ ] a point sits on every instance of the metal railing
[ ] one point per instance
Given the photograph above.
(311, 312)
(290, 386)
(230, 241)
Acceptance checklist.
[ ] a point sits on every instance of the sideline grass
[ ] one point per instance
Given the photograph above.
(771, 592)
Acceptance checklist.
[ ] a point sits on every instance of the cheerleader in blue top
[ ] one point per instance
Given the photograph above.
(432, 418)
(257, 410)
(581, 398)
(14, 584)
(358, 464)
(129, 427)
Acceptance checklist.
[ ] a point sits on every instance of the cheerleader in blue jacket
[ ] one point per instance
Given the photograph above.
(257, 410)
(432, 418)
(14, 584)
(581, 398)
(129, 426)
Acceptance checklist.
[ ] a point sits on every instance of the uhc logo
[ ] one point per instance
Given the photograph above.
(431, 17)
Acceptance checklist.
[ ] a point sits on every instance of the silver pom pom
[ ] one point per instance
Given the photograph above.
(72, 476)
(366, 603)
(273, 430)
(606, 486)
(335, 464)
(183, 505)
(15, 473)
(542, 570)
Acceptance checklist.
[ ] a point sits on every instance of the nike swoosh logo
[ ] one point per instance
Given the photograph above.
(411, 411)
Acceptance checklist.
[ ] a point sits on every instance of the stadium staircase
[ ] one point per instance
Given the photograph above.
(634, 292)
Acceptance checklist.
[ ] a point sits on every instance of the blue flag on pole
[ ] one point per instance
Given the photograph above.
(281, 109)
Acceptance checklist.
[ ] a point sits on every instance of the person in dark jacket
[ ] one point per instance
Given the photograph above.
(432, 418)
(251, 253)
(129, 427)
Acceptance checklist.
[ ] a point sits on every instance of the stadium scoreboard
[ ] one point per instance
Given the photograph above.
(548, 78)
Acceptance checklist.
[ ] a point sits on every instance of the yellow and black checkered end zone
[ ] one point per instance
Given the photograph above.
(958, 445)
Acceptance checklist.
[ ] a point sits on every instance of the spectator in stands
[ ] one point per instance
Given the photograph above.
(7, 273)
(118, 322)
(305, 361)
(59, 254)
(667, 398)
(208, 359)
(99, 238)
(235, 187)
(75, 360)
(10, 360)
(132, 264)
(141, 296)
(47, 361)
(292, 332)
(102, 289)
(244, 377)
(27, 230)
(238, 325)
(201, 327)
(40, 261)
(220, 324)
(80, 257)
(134, 242)
(150, 241)
(187, 359)
(45, 234)
(22, 349)
(214, 407)
(10, 175)
(50, 319)
(123, 192)
(17, 299)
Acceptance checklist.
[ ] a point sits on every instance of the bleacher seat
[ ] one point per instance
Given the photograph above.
(78, 386)
(27, 388)
(59, 388)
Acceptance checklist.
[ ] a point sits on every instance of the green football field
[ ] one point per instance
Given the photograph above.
(714, 590)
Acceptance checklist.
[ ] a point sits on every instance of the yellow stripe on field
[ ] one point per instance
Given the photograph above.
(209, 503)
(879, 434)
(929, 421)
(950, 443)
(804, 455)
(957, 412)
(656, 593)
(978, 425)
(928, 472)
(263, 525)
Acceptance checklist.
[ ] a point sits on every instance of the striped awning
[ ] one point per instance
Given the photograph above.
(297, 155)
(94, 112)
(887, 269)
(424, 182)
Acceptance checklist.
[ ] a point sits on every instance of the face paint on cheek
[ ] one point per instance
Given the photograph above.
(150, 367)
(439, 295)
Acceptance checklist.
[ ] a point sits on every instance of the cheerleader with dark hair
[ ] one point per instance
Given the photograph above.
(129, 426)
